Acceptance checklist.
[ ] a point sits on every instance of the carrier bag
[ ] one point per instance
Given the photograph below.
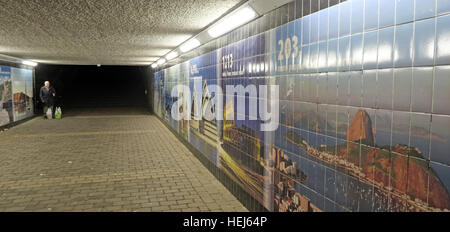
(49, 113)
(58, 113)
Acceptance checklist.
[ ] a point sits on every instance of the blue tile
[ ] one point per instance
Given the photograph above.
(322, 63)
(334, 22)
(385, 47)
(344, 18)
(420, 133)
(440, 139)
(371, 14)
(332, 88)
(314, 36)
(441, 92)
(443, 40)
(355, 89)
(422, 89)
(443, 6)
(323, 27)
(343, 88)
(424, 37)
(402, 88)
(305, 59)
(370, 49)
(306, 30)
(387, 8)
(383, 128)
(403, 45)
(356, 52)
(369, 88)
(404, 11)
(313, 57)
(332, 55)
(322, 94)
(425, 9)
(344, 53)
(385, 85)
(357, 16)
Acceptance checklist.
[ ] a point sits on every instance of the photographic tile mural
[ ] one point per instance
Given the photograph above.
(16, 94)
(364, 119)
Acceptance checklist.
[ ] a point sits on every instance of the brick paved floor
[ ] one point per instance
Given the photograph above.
(117, 160)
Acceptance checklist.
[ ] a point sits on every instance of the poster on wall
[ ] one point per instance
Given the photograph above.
(22, 87)
(6, 96)
(202, 126)
(241, 145)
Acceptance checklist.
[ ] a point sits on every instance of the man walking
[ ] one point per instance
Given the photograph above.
(47, 95)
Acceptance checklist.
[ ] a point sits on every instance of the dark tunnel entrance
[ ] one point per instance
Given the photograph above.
(95, 87)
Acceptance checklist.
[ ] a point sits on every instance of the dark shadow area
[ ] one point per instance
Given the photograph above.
(91, 86)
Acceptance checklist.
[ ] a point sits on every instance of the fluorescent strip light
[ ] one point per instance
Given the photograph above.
(171, 55)
(154, 65)
(29, 63)
(189, 45)
(233, 21)
(161, 61)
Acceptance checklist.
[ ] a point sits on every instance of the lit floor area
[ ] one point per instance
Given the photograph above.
(120, 159)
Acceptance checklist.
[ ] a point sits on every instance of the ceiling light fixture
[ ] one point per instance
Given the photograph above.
(232, 21)
(29, 63)
(189, 45)
(154, 65)
(171, 55)
(161, 61)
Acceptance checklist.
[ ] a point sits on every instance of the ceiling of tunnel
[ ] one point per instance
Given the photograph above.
(107, 32)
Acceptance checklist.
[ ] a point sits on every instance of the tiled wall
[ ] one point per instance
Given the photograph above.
(364, 105)
(16, 94)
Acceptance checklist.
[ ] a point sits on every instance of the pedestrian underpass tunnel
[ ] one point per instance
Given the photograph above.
(268, 105)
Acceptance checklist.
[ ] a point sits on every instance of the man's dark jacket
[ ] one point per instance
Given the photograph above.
(47, 96)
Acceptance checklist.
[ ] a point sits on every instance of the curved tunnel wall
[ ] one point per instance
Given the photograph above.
(363, 106)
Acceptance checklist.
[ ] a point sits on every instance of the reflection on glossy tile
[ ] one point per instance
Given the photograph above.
(332, 55)
(441, 93)
(422, 89)
(403, 45)
(322, 62)
(370, 50)
(404, 11)
(443, 40)
(356, 52)
(402, 88)
(385, 47)
(424, 37)
(344, 53)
